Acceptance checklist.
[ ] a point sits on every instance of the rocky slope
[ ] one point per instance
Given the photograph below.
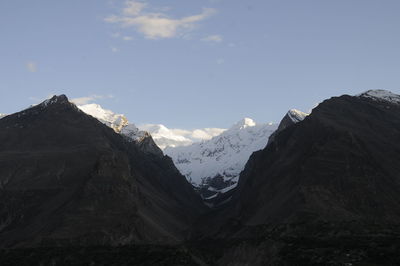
(120, 124)
(67, 179)
(339, 163)
(325, 191)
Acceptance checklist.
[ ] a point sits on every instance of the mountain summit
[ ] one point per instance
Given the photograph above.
(243, 123)
(381, 95)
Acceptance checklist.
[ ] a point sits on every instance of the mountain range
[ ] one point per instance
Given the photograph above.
(323, 189)
(212, 165)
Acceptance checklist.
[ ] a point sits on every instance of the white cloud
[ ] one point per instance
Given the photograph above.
(127, 38)
(133, 8)
(156, 25)
(198, 134)
(213, 38)
(31, 66)
(114, 49)
(89, 99)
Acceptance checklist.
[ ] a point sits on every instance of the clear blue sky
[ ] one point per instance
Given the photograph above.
(193, 64)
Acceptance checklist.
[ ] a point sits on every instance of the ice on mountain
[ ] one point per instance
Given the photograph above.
(225, 154)
(382, 95)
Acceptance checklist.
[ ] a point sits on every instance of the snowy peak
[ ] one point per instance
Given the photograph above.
(115, 121)
(60, 99)
(381, 95)
(118, 122)
(296, 115)
(215, 164)
(166, 137)
(244, 123)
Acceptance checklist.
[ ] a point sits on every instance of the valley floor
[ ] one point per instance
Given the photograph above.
(299, 244)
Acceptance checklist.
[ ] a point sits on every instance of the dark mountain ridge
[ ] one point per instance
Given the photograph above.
(67, 178)
(340, 163)
(325, 191)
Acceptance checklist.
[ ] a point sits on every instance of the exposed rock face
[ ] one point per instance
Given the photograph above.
(326, 191)
(65, 178)
(292, 117)
(339, 164)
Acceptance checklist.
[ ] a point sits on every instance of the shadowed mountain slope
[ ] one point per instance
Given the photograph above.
(65, 178)
(325, 191)
(340, 164)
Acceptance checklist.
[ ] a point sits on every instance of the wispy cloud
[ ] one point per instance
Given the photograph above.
(89, 99)
(156, 25)
(114, 49)
(198, 134)
(127, 38)
(31, 66)
(213, 38)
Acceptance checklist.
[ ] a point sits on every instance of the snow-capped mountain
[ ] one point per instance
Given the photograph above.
(218, 162)
(165, 137)
(118, 122)
(296, 115)
(161, 135)
(2, 115)
(381, 95)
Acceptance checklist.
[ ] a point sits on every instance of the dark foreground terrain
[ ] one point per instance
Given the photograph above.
(342, 245)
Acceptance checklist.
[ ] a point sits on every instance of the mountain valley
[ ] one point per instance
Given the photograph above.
(81, 184)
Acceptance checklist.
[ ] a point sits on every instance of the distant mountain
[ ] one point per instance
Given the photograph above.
(160, 134)
(120, 124)
(68, 180)
(214, 165)
(2, 115)
(165, 137)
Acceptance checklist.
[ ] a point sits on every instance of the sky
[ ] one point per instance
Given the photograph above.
(195, 64)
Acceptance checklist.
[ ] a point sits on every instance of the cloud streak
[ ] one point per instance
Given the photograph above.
(156, 25)
(89, 99)
(31, 66)
(213, 38)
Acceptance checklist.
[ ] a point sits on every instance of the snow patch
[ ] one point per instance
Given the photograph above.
(296, 115)
(382, 95)
(225, 154)
(118, 122)
(165, 137)
(55, 99)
